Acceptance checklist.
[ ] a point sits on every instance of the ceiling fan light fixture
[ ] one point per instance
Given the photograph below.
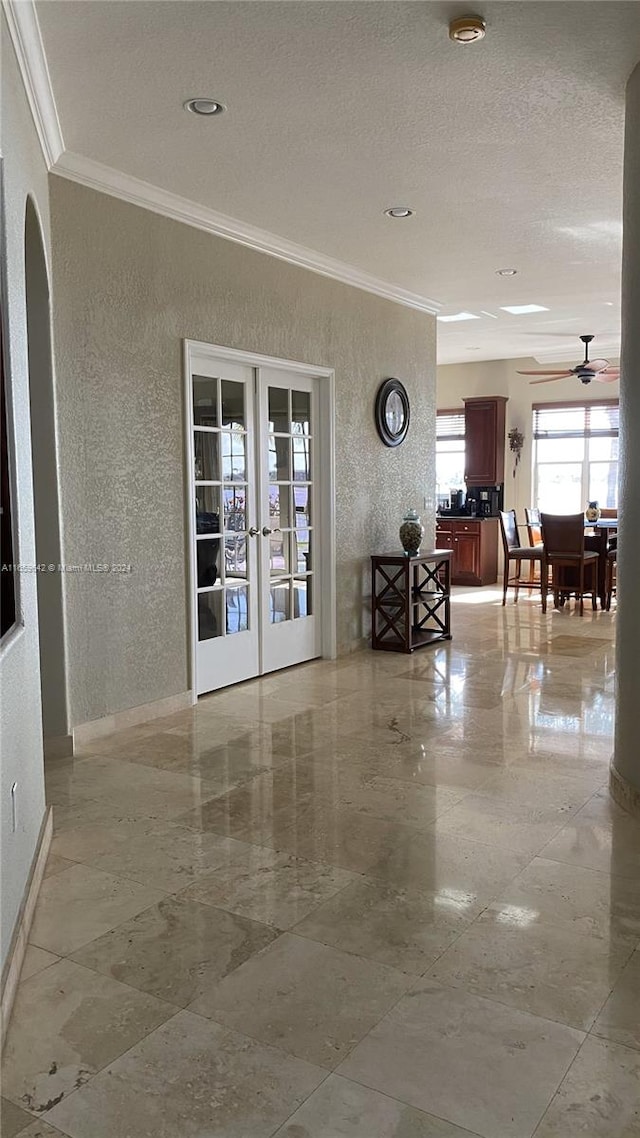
(599, 370)
(467, 29)
(205, 107)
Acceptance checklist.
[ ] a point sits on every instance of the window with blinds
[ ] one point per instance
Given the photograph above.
(449, 453)
(575, 455)
(573, 421)
(449, 425)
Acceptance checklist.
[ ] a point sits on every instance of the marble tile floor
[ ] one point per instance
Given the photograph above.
(386, 897)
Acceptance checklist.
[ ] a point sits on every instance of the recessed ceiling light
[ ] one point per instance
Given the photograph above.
(204, 106)
(506, 272)
(523, 309)
(458, 316)
(609, 303)
(467, 29)
(399, 211)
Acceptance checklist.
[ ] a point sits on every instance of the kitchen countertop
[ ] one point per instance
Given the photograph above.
(466, 517)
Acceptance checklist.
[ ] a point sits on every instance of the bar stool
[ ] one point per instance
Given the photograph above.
(513, 551)
(564, 551)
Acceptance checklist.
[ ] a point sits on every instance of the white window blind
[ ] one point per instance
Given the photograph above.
(575, 455)
(576, 420)
(449, 425)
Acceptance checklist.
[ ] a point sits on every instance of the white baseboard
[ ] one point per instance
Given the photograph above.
(85, 733)
(15, 959)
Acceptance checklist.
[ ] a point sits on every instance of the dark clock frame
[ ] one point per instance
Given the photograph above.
(386, 389)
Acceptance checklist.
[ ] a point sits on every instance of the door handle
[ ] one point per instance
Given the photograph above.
(266, 531)
(253, 532)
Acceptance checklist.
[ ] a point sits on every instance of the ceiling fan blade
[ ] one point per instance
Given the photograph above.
(596, 365)
(551, 378)
(610, 371)
(545, 373)
(606, 377)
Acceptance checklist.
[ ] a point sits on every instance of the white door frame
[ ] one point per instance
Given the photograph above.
(326, 465)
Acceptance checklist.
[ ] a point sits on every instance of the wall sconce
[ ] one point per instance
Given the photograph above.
(516, 443)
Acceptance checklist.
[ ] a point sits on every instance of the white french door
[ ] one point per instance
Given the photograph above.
(224, 558)
(255, 512)
(290, 602)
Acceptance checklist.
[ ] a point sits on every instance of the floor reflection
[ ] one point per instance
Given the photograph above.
(405, 870)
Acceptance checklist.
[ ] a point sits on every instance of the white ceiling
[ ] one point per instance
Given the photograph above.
(509, 151)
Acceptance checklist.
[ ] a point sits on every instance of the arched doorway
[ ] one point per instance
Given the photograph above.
(45, 492)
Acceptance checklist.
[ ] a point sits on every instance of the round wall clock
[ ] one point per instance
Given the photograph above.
(392, 412)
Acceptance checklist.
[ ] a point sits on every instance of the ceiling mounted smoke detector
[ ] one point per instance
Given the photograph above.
(467, 29)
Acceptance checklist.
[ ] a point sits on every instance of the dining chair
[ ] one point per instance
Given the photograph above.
(534, 533)
(570, 562)
(534, 529)
(611, 577)
(514, 551)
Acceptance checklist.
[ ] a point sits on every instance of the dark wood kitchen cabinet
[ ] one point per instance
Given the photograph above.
(474, 545)
(484, 427)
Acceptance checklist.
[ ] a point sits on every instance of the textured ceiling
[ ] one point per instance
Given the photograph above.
(509, 151)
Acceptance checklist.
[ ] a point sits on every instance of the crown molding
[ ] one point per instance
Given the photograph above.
(114, 182)
(24, 30)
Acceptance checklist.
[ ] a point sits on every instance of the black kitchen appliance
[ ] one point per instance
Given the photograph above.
(457, 501)
(485, 501)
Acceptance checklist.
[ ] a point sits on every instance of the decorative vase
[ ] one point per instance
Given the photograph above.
(411, 533)
(592, 512)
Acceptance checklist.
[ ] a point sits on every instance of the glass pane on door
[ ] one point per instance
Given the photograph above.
(234, 466)
(279, 602)
(302, 596)
(279, 553)
(233, 409)
(279, 515)
(208, 562)
(207, 509)
(207, 456)
(278, 410)
(205, 401)
(237, 612)
(302, 499)
(210, 615)
(279, 459)
(302, 460)
(235, 558)
(235, 507)
(301, 412)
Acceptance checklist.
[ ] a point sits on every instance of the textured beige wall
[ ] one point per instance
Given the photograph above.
(24, 173)
(129, 286)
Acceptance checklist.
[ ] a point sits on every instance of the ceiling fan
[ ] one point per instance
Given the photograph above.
(600, 370)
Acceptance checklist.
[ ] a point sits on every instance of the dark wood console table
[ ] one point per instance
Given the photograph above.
(410, 599)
